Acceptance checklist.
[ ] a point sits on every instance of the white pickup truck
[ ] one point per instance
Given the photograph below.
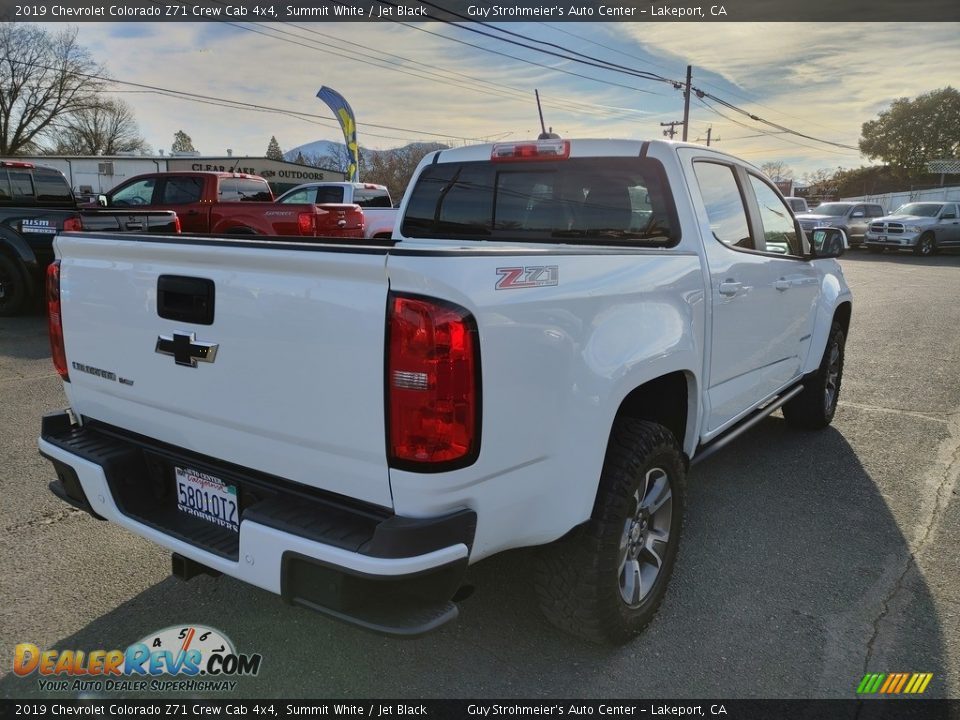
(559, 330)
(379, 215)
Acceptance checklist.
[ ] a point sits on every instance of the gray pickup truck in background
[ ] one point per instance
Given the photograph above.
(851, 217)
(924, 227)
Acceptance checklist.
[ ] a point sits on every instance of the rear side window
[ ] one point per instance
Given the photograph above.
(583, 200)
(52, 187)
(254, 190)
(4, 186)
(371, 198)
(21, 185)
(182, 190)
(874, 211)
(329, 195)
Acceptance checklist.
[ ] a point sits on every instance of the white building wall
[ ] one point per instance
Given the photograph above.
(891, 201)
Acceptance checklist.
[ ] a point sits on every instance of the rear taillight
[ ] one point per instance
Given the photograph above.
(307, 223)
(177, 227)
(72, 225)
(55, 321)
(433, 385)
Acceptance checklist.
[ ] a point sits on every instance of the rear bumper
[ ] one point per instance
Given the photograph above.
(352, 561)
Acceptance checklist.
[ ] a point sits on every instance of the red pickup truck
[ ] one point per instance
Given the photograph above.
(234, 204)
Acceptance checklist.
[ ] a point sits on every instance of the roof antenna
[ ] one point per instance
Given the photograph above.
(544, 134)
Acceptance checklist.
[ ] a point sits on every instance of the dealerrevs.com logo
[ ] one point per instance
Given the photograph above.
(200, 657)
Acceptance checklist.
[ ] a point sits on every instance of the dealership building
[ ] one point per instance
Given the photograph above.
(95, 174)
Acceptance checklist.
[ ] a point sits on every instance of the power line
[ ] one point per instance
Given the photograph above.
(774, 135)
(704, 82)
(245, 105)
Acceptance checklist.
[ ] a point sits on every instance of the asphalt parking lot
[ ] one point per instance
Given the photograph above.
(808, 558)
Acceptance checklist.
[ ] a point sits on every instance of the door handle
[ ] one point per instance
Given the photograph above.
(730, 287)
(782, 284)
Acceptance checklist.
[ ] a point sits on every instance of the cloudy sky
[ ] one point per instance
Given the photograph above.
(416, 82)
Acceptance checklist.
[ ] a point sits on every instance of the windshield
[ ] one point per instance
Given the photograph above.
(832, 209)
(919, 209)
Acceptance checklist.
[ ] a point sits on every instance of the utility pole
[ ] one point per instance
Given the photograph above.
(673, 127)
(686, 103)
(709, 137)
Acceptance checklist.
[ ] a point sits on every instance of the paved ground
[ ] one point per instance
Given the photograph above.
(808, 558)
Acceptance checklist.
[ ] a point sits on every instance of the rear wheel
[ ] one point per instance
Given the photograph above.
(816, 405)
(926, 245)
(13, 288)
(606, 580)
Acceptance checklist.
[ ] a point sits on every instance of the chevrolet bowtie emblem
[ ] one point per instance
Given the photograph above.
(186, 350)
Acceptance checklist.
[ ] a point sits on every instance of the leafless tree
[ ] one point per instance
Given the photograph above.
(777, 170)
(394, 168)
(107, 128)
(45, 79)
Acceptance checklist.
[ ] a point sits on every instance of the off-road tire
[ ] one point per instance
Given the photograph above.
(14, 298)
(812, 409)
(926, 245)
(578, 578)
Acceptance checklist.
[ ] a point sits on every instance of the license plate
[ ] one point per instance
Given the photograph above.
(883, 238)
(207, 497)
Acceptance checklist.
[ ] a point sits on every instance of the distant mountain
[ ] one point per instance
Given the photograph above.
(319, 148)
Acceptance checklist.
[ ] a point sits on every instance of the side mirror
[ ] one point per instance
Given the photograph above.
(102, 200)
(827, 242)
(857, 214)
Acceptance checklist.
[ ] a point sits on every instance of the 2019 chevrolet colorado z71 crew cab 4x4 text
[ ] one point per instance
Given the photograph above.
(559, 329)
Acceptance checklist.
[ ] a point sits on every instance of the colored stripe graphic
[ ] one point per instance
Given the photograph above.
(894, 683)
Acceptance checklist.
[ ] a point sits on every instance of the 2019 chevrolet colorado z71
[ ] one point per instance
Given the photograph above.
(560, 328)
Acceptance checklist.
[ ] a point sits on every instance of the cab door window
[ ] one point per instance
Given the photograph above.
(138, 193)
(779, 228)
(724, 204)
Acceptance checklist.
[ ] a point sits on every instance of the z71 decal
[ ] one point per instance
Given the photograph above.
(513, 278)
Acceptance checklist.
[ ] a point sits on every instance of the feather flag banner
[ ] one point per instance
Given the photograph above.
(341, 108)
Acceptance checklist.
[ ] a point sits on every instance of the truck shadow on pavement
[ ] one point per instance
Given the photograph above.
(793, 580)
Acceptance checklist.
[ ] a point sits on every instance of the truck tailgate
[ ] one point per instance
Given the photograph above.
(295, 388)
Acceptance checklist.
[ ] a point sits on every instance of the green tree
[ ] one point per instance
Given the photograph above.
(182, 143)
(45, 79)
(273, 149)
(912, 132)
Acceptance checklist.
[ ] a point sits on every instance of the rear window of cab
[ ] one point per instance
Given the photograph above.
(600, 201)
